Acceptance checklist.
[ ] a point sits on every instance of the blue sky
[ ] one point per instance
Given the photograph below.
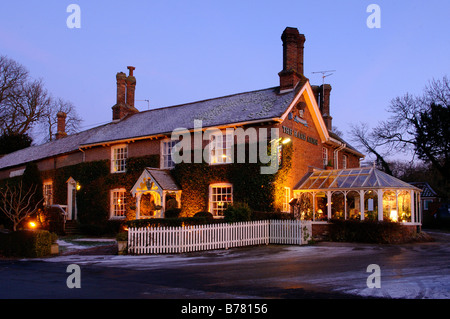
(186, 51)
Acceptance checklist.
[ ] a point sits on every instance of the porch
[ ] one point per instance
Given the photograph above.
(155, 192)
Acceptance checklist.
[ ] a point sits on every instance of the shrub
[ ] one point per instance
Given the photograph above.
(26, 243)
(172, 213)
(238, 212)
(271, 215)
(204, 215)
(169, 222)
(368, 231)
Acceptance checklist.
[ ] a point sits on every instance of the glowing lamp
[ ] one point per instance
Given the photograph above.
(32, 225)
(394, 215)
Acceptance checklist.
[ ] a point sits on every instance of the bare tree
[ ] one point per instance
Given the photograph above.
(25, 103)
(362, 136)
(49, 119)
(18, 203)
(420, 124)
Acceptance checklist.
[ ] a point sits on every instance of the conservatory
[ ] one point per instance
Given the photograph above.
(363, 193)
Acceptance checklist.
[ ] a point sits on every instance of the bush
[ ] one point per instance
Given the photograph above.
(172, 213)
(170, 222)
(204, 215)
(238, 212)
(368, 231)
(271, 215)
(27, 243)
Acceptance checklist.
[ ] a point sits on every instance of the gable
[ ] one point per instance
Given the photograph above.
(306, 94)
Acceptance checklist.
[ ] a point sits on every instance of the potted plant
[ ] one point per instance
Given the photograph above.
(122, 243)
(329, 165)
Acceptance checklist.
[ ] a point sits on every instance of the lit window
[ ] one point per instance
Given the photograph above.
(286, 199)
(220, 148)
(119, 156)
(325, 156)
(118, 207)
(167, 148)
(220, 197)
(48, 193)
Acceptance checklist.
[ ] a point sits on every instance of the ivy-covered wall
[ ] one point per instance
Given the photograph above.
(262, 192)
(96, 181)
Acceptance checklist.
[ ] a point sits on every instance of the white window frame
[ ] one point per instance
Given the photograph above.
(47, 189)
(217, 197)
(221, 148)
(325, 156)
(344, 161)
(117, 167)
(286, 200)
(117, 209)
(167, 146)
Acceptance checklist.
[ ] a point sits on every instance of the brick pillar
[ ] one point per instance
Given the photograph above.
(61, 125)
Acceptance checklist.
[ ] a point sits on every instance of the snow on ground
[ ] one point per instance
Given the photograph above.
(430, 280)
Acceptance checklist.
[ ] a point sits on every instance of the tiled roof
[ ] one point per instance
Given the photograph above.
(163, 178)
(427, 191)
(249, 106)
(243, 107)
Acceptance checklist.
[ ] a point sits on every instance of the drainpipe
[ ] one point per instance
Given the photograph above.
(336, 151)
(84, 154)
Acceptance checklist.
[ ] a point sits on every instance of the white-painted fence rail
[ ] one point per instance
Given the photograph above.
(159, 240)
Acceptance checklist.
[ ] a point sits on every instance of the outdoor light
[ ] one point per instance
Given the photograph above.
(32, 225)
(286, 140)
(78, 187)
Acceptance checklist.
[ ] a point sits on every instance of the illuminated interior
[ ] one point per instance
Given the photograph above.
(359, 194)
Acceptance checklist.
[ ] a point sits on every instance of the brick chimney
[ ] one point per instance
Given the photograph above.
(125, 95)
(324, 93)
(61, 125)
(292, 73)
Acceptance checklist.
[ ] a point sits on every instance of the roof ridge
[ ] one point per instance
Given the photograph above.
(209, 99)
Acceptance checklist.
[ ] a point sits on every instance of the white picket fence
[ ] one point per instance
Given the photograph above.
(160, 240)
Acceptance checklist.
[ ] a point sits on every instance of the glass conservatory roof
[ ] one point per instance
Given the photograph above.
(352, 178)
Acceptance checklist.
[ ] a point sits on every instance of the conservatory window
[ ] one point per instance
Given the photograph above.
(390, 206)
(220, 197)
(371, 205)
(321, 204)
(338, 205)
(353, 205)
(404, 206)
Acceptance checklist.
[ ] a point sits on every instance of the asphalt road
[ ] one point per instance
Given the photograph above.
(324, 270)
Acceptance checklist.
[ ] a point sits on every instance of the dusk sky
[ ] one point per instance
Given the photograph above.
(186, 51)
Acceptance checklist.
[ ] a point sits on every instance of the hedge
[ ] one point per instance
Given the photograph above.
(171, 222)
(381, 232)
(26, 243)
